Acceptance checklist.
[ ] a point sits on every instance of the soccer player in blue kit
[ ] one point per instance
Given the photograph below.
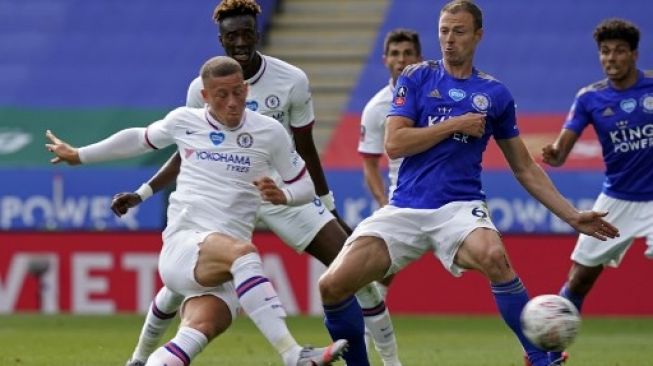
(442, 115)
(620, 108)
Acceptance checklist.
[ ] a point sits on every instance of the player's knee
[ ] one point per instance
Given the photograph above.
(494, 261)
(243, 248)
(331, 290)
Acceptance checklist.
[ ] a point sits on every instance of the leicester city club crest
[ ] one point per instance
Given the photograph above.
(481, 102)
(647, 102)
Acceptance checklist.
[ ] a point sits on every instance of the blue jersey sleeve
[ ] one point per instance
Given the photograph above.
(578, 117)
(505, 125)
(404, 99)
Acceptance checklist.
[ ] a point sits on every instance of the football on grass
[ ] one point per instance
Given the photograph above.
(550, 322)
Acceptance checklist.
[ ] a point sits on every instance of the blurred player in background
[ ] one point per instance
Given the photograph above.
(400, 49)
(443, 114)
(620, 108)
(207, 255)
(279, 90)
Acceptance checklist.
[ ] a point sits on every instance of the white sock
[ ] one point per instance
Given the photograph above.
(158, 319)
(378, 322)
(261, 303)
(181, 350)
(383, 290)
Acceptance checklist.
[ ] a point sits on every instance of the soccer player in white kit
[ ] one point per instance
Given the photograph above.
(620, 108)
(207, 254)
(401, 48)
(279, 90)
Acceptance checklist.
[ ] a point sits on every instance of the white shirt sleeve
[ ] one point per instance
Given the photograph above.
(123, 144)
(131, 142)
(291, 167)
(372, 131)
(194, 95)
(301, 112)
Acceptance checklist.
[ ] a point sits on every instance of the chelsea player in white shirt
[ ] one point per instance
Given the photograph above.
(620, 108)
(442, 115)
(279, 90)
(207, 255)
(401, 48)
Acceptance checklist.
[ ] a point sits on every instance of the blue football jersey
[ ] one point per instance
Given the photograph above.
(451, 170)
(623, 121)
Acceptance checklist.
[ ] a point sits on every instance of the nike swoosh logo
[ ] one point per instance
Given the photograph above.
(189, 132)
(270, 298)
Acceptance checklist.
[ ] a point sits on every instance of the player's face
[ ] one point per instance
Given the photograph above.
(400, 55)
(617, 59)
(226, 97)
(458, 39)
(238, 36)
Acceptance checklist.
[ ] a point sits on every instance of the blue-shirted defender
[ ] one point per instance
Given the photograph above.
(620, 108)
(442, 117)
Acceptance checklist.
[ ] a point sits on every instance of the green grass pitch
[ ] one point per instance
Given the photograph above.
(27, 340)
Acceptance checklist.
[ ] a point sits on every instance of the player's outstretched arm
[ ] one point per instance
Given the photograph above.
(123, 144)
(537, 183)
(556, 154)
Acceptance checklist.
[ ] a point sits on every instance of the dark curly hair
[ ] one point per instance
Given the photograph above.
(618, 29)
(228, 8)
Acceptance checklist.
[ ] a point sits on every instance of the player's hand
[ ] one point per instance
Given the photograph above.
(551, 155)
(472, 124)
(123, 201)
(270, 192)
(592, 223)
(61, 150)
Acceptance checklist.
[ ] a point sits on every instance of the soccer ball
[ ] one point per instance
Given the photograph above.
(550, 322)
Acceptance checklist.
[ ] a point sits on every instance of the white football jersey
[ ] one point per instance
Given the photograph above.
(372, 132)
(278, 90)
(215, 190)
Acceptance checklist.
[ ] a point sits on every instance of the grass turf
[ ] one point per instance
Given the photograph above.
(65, 340)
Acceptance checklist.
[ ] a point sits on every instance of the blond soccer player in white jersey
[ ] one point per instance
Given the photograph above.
(279, 90)
(207, 255)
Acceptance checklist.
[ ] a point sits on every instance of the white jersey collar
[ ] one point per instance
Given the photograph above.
(259, 73)
(218, 125)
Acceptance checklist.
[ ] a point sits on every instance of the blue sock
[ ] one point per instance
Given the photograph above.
(511, 297)
(345, 321)
(575, 299)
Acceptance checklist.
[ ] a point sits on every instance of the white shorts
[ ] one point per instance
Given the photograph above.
(409, 233)
(177, 266)
(295, 225)
(633, 219)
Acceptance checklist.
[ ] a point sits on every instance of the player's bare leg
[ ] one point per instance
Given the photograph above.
(378, 325)
(483, 250)
(365, 260)
(222, 258)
